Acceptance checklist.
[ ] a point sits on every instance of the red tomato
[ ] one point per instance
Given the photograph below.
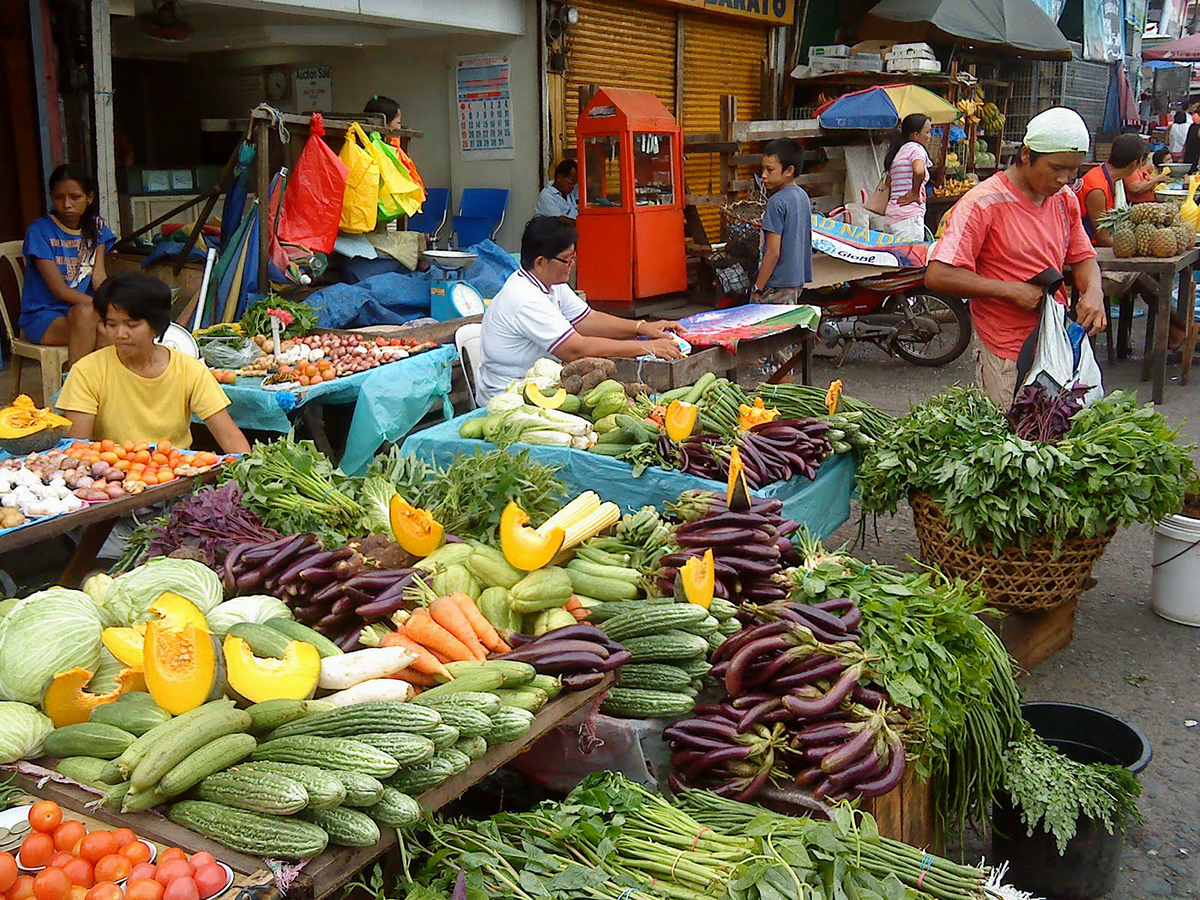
(45, 815)
(114, 868)
(210, 880)
(96, 845)
(142, 872)
(172, 853)
(182, 889)
(36, 850)
(105, 890)
(124, 836)
(202, 859)
(137, 852)
(171, 869)
(22, 888)
(144, 890)
(8, 871)
(68, 834)
(51, 884)
(58, 860)
(80, 872)
(78, 892)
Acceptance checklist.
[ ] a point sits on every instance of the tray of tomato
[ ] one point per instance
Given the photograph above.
(62, 860)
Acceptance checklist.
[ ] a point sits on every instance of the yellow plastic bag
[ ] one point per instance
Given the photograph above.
(399, 195)
(360, 203)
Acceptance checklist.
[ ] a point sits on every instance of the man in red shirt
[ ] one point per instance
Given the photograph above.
(1010, 228)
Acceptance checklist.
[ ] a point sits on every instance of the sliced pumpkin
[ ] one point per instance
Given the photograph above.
(696, 580)
(681, 419)
(22, 418)
(184, 667)
(259, 679)
(126, 644)
(749, 416)
(415, 529)
(737, 496)
(176, 610)
(534, 395)
(67, 702)
(524, 547)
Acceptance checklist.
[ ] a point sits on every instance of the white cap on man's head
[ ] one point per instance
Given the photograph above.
(1057, 130)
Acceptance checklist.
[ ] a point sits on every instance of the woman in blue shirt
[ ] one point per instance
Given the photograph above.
(64, 264)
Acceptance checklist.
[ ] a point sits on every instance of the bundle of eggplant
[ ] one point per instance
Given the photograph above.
(709, 751)
(327, 589)
(749, 548)
(580, 654)
(770, 451)
(800, 668)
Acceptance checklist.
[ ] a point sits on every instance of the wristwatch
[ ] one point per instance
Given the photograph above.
(637, 328)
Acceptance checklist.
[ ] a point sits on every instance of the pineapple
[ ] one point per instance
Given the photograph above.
(1124, 239)
(1140, 213)
(1143, 235)
(1167, 214)
(1184, 236)
(1162, 244)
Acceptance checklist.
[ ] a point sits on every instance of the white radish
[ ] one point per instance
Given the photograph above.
(377, 690)
(349, 669)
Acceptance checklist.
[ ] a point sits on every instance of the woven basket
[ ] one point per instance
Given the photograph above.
(1015, 580)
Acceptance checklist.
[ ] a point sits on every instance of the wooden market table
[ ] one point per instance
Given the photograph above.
(97, 521)
(329, 872)
(1155, 279)
(668, 374)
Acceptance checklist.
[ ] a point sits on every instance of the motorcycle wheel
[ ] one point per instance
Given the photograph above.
(942, 347)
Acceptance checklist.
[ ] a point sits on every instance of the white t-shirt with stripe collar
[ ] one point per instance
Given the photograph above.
(525, 321)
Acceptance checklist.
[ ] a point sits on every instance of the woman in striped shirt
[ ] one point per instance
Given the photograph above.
(907, 163)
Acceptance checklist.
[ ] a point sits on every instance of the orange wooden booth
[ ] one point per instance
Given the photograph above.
(630, 152)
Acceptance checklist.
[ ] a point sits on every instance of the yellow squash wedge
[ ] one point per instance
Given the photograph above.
(415, 529)
(681, 419)
(184, 667)
(737, 496)
(259, 679)
(527, 548)
(67, 702)
(697, 579)
(749, 416)
(546, 401)
(126, 644)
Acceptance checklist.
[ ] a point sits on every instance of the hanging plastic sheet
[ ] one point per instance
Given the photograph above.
(234, 206)
(312, 206)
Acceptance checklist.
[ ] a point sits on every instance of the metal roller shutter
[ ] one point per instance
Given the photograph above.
(721, 56)
(619, 43)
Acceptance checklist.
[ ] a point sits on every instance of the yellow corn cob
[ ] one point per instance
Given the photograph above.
(605, 516)
(575, 511)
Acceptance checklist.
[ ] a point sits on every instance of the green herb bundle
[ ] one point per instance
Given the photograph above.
(936, 657)
(1054, 791)
(256, 319)
(1118, 464)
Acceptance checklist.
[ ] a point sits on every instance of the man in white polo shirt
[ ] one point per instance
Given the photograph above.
(536, 314)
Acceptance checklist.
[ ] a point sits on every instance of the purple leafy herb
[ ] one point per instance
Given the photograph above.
(1038, 415)
(212, 521)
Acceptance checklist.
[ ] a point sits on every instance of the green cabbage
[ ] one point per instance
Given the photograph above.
(376, 500)
(257, 608)
(129, 599)
(47, 633)
(97, 586)
(6, 606)
(108, 669)
(22, 730)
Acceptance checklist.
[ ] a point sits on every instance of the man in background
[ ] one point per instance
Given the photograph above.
(560, 197)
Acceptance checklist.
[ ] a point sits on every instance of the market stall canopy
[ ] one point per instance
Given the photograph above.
(1018, 26)
(1187, 48)
(883, 106)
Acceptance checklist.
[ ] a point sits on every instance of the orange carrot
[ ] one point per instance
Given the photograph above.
(483, 628)
(447, 613)
(581, 615)
(416, 678)
(425, 631)
(426, 663)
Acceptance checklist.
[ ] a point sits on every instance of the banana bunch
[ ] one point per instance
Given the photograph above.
(991, 120)
(969, 109)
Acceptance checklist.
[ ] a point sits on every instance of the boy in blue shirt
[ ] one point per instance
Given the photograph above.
(786, 265)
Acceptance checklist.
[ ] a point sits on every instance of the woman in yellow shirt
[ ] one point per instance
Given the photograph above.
(137, 390)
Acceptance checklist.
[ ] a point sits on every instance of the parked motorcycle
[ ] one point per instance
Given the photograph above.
(897, 313)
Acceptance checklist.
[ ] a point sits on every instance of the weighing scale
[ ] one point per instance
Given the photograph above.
(450, 297)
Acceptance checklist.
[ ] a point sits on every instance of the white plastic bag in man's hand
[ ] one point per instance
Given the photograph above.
(1058, 355)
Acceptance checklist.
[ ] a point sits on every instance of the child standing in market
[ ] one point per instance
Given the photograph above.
(64, 264)
(786, 265)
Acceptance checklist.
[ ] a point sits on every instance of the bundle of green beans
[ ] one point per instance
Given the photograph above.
(719, 408)
(853, 834)
(797, 401)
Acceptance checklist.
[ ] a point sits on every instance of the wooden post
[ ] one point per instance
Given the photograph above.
(680, 50)
(728, 171)
(102, 96)
(262, 142)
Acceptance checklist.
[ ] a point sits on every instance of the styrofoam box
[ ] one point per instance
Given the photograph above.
(919, 50)
(923, 66)
(824, 51)
(865, 62)
(822, 65)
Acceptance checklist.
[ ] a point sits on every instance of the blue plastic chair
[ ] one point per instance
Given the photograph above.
(480, 215)
(432, 217)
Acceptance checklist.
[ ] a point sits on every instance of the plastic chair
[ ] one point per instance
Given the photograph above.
(51, 360)
(480, 215)
(432, 217)
(468, 340)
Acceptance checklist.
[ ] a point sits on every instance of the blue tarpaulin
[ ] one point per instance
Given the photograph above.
(396, 298)
(822, 504)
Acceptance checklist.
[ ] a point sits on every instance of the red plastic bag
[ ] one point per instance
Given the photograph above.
(312, 206)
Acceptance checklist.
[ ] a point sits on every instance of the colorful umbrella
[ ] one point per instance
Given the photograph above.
(883, 106)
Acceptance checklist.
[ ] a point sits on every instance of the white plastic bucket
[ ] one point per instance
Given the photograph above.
(1175, 582)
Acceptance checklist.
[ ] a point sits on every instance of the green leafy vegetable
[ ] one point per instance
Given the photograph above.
(256, 608)
(131, 594)
(1055, 791)
(22, 730)
(1118, 464)
(257, 321)
(47, 633)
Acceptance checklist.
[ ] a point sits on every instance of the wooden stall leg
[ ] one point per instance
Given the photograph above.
(1124, 325)
(1162, 326)
(313, 416)
(84, 557)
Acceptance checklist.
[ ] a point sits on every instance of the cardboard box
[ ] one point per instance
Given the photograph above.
(865, 62)
(913, 64)
(919, 50)
(825, 65)
(880, 47)
(824, 51)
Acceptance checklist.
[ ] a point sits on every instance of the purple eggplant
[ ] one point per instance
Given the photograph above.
(832, 699)
(851, 751)
(889, 779)
(811, 775)
(868, 765)
(581, 681)
(731, 645)
(851, 618)
(699, 742)
(531, 651)
(736, 673)
(617, 659)
(721, 536)
(724, 520)
(814, 753)
(317, 576)
(828, 732)
(377, 610)
(714, 758)
(756, 712)
(564, 663)
(755, 785)
(317, 559)
(248, 581)
(284, 557)
(870, 697)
